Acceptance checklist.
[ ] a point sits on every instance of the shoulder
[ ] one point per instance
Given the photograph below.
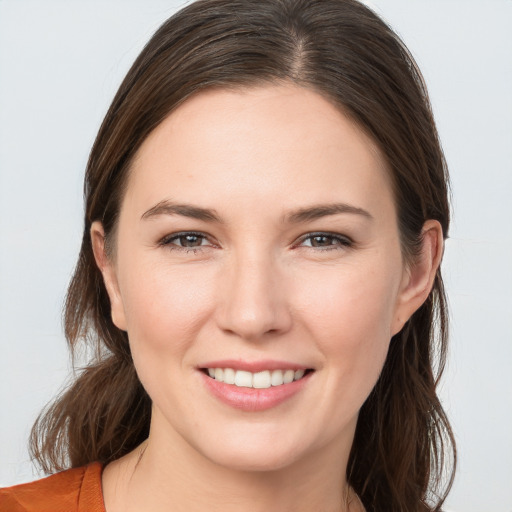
(74, 490)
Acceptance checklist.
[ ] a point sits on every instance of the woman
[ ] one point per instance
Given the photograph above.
(266, 204)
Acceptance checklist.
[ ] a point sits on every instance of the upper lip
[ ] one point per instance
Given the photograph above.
(253, 366)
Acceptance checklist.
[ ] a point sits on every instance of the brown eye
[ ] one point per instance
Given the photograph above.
(185, 241)
(321, 241)
(190, 240)
(326, 241)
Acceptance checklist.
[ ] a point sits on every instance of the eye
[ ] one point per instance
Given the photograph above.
(185, 240)
(325, 241)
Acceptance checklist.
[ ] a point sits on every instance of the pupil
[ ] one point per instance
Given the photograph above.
(190, 240)
(320, 241)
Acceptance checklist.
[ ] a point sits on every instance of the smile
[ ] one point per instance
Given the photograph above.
(254, 386)
(259, 380)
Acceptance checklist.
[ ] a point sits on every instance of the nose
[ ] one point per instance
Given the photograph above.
(252, 301)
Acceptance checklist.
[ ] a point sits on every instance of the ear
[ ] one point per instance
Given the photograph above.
(108, 270)
(418, 276)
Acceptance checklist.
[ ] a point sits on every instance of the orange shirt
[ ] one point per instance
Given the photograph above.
(74, 490)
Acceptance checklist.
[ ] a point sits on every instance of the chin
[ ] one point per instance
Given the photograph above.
(253, 459)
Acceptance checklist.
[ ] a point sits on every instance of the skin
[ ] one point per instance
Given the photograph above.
(257, 287)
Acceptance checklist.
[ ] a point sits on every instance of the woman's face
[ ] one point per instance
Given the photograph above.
(258, 234)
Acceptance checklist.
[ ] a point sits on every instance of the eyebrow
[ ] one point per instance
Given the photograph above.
(323, 210)
(167, 207)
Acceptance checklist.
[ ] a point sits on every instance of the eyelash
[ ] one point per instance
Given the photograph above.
(342, 241)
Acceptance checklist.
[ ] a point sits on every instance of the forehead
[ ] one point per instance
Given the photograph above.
(274, 141)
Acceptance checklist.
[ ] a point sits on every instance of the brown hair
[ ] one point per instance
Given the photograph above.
(342, 50)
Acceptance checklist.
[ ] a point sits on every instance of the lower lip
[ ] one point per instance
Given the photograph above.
(251, 399)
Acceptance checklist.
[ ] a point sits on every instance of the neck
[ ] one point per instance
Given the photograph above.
(163, 474)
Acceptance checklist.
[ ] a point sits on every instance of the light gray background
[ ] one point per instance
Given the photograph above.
(60, 64)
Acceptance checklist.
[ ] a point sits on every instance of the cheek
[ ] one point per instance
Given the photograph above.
(165, 310)
(349, 299)
(349, 313)
(165, 306)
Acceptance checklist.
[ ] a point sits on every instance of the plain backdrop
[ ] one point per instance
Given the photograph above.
(60, 65)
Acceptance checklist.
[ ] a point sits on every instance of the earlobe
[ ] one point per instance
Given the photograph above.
(108, 271)
(419, 276)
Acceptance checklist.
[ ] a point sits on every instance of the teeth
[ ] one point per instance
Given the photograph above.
(259, 380)
(229, 376)
(288, 376)
(242, 379)
(277, 378)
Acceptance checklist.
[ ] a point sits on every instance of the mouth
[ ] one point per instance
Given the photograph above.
(253, 386)
(257, 380)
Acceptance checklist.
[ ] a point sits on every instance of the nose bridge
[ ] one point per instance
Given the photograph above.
(253, 299)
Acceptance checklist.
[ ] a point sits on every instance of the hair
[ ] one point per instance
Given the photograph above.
(403, 454)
